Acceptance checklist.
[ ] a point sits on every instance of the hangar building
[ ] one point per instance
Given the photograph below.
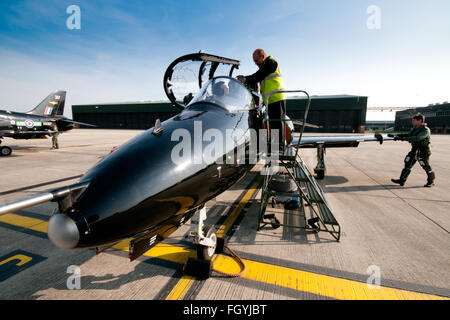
(343, 113)
(437, 117)
(379, 125)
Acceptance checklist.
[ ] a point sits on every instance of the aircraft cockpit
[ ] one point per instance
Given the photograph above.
(201, 77)
(226, 92)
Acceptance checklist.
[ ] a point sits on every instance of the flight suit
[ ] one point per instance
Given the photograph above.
(420, 151)
(55, 144)
(55, 134)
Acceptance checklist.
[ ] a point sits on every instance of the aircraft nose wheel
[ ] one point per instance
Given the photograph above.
(205, 239)
(207, 252)
(5, 151)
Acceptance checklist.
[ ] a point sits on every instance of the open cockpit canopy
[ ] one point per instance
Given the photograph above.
(186, 76)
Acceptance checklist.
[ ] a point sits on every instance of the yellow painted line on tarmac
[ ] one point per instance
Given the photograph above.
(22, 260)
(181, 288)
(303, 281)
(237, 210)
(162, 251)
(24, 222)
(328, 286)
(170, 253)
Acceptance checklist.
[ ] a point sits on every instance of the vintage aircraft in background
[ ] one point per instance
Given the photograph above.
(139, 192)
(42, 121)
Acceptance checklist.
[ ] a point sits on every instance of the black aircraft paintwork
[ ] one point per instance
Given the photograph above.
(139, 190)
(38, 123)
(139, 183)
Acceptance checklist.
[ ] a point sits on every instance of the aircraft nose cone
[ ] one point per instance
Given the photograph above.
(63, 231)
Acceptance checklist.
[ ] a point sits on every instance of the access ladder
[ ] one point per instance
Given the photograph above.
(307, 191)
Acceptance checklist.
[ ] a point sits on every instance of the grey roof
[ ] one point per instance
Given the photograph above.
(340, 96)
(125, 103)
(337, 96)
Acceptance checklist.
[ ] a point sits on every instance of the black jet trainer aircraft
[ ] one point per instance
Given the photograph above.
(157, 181)
(38, 123)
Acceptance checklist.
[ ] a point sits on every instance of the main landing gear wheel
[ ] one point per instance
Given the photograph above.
(5, 151)
(207, 252)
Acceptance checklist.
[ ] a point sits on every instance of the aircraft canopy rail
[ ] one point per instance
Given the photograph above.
(186, 75)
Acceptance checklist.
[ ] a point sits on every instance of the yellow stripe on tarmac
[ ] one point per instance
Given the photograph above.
(327, 286)
(24, 222)
(171, 253)
(234, 214)
(179, 291)
(181, 288)
(22, 258)
(303, 281)
(162, 251)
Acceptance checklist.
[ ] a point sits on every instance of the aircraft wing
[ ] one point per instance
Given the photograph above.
(76, 122)
(338, 141)
(67, 193)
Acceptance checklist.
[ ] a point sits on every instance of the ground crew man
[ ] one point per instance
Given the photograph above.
(55, 144)
(419, 137)
(270, 79)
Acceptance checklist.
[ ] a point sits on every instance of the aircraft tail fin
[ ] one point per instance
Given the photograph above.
(53, 105)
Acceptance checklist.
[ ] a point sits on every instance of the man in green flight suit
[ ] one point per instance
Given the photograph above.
(419, 137)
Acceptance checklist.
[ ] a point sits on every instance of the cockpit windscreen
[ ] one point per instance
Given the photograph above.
(227, 93)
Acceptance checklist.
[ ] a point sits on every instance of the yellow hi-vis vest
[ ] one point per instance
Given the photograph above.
(273, 82)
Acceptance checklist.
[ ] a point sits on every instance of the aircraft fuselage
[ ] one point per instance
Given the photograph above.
(24, 126)
(139, 188)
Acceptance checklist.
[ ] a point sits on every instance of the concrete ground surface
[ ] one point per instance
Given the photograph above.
(395, 237)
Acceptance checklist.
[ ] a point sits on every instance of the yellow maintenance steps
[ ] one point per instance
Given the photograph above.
(293, 170)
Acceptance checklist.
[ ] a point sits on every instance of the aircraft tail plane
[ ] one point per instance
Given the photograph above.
(53, 105)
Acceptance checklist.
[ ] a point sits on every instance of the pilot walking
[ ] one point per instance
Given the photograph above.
(270, 79)
(419, 137)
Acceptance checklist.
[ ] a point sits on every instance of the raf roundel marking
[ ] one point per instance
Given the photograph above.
(29, 123)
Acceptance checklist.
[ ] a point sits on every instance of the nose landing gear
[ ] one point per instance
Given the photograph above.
(208, 244)
(205, 238)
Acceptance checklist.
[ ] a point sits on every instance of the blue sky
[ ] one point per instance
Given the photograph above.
(324, 47)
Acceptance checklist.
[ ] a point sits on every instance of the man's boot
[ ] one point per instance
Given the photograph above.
(398, 181)
(403, 176)
(430, 180)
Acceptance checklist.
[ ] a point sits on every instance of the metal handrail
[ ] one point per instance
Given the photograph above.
(266, 103)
